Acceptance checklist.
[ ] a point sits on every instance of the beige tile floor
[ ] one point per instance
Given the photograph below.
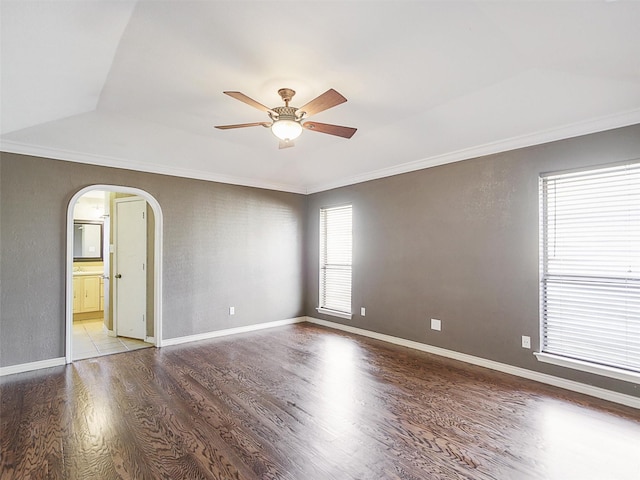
(91, 340)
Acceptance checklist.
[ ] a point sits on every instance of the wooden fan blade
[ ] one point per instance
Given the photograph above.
(249, 101)
(328, 99)
(284, 144)
(242, 125)
(346, 132)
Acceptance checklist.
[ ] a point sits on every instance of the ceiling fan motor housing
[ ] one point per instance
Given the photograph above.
(285, 113)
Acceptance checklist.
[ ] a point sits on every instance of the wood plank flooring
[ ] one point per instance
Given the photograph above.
(303, 403)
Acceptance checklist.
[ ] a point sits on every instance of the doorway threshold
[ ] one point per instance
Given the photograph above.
(90, 340)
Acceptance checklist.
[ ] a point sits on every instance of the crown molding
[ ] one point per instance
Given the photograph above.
(619, 120)
(610, 122)
(11, 146)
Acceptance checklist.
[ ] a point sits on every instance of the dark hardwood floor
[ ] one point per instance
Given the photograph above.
(304, 403)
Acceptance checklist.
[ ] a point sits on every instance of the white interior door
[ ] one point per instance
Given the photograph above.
(130, 269)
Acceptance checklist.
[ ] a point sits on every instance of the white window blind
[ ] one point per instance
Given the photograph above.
(590, 266)
(335, 258)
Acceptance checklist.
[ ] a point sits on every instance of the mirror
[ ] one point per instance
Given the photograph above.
(87, 241)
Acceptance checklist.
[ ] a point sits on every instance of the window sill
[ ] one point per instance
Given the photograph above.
(583, 366)
(334, 313)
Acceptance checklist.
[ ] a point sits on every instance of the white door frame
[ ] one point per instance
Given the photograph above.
(157, 260)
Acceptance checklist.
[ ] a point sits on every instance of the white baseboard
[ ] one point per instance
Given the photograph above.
(597, 392)
(55, 362)
(28, 367)
(230, 331)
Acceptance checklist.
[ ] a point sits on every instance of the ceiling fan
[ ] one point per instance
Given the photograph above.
(287, 122)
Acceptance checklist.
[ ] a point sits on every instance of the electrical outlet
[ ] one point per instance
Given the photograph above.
(232, 310)
(526, 342)
(363, 311)
(436, 324)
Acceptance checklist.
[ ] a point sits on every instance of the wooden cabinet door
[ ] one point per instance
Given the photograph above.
(91, 294)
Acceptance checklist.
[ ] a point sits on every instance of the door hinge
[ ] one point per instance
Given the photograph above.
(143, 317)
(143, 215)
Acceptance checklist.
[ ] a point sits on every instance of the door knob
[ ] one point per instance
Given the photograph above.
(118, 276)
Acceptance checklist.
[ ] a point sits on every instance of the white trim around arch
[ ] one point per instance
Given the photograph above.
(157, 258)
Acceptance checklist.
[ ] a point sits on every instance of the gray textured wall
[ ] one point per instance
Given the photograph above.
(224, 246)
(459, 242)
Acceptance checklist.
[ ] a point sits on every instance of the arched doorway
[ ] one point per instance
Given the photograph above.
(156, 259)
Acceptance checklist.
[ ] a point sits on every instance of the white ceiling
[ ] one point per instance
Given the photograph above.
(138, 84)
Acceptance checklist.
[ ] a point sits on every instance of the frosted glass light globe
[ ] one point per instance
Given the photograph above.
(286, 129)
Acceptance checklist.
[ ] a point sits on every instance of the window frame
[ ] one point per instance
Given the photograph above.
(584, 365)
(323, 308)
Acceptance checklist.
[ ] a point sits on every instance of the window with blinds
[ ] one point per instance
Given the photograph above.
(590, 266)
(335, 260)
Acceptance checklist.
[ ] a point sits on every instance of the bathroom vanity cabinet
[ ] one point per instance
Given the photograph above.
(87, 293)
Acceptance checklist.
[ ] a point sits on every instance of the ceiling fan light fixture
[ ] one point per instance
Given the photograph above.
(286, 130)
(286, 122)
